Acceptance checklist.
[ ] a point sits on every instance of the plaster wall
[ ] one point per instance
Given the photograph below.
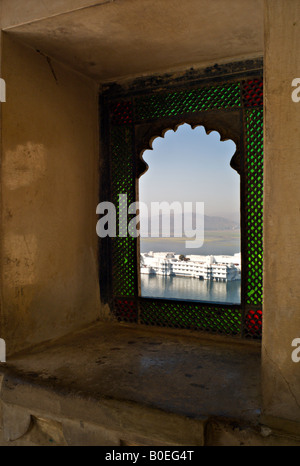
(116, 40)
(49, 178)
(14, 12)
(280, 383)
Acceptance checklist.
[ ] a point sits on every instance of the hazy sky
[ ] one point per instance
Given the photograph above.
(189, 165)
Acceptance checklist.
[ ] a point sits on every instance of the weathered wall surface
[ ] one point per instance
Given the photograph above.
(49, 195)
(14, 12)
(281, 388)
(124, 39)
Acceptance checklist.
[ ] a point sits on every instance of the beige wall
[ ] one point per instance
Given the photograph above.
(124, 39)
(14, 12)
(281, 376)
(49, 180)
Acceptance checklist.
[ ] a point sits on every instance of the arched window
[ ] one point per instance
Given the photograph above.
(133, 117)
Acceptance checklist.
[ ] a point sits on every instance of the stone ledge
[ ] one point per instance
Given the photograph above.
(128, 385)
(21, 426)
(109, 421)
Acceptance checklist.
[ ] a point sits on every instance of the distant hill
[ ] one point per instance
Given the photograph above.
(219, 223)
(210, 222)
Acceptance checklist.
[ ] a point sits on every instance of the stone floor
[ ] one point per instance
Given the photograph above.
(188, 375)
(121, 385)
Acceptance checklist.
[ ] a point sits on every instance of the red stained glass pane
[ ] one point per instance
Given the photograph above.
(254, 323)
(253, 93)
(125, 310)
(121, 113)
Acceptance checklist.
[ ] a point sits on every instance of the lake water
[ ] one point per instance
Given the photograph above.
(187, 288)
(226, 242)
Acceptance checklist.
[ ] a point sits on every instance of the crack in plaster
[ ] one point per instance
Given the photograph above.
(283, 377)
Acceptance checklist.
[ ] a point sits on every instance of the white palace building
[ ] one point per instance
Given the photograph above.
(219, 268)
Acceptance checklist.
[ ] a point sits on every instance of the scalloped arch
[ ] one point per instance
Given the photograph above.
(228, 125)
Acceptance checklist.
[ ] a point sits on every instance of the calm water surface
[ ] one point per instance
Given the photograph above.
(186, 288)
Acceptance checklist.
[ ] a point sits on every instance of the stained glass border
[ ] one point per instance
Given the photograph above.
(124, 115)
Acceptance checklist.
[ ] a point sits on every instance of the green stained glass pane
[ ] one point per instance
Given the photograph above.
(123, 194)
(177, 103)
(192, 316)
(254, 204)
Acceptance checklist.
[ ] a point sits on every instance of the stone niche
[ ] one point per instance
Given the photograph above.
(55, 60)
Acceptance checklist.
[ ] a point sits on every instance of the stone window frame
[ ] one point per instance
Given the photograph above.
(132, 115)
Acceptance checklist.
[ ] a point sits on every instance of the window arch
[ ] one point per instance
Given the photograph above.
(233, 107)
